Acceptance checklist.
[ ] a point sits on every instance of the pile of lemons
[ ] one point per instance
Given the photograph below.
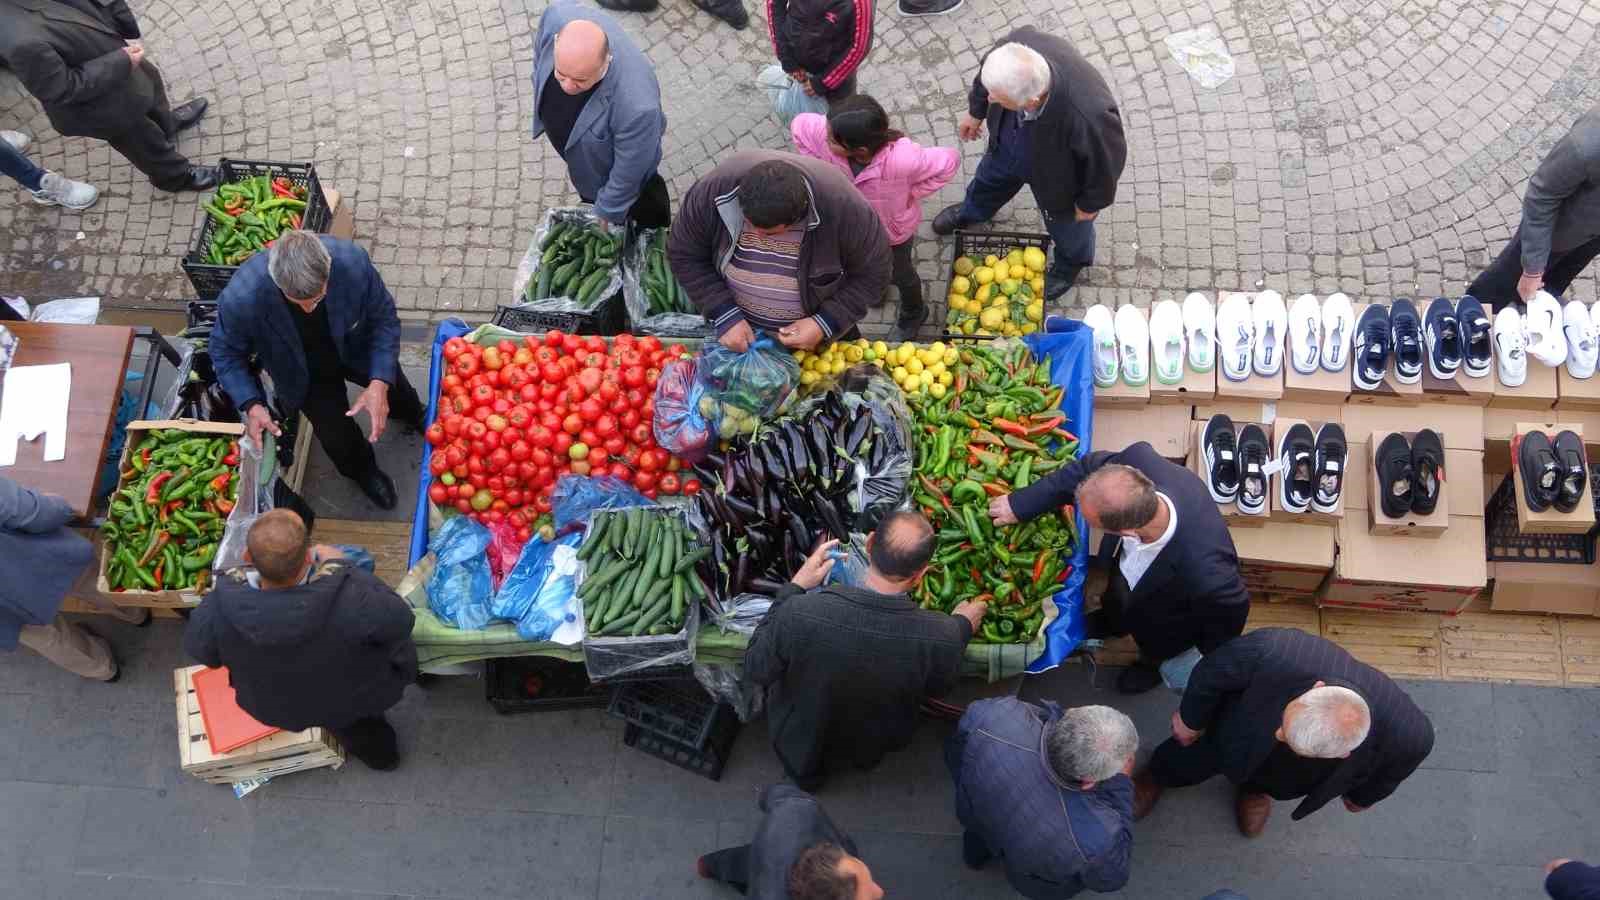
(929, 368)
(1001, 296)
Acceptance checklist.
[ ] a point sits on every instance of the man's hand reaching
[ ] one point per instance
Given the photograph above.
(375, 400)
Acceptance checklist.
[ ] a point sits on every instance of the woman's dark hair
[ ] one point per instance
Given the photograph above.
(773, 193)
(858, 122)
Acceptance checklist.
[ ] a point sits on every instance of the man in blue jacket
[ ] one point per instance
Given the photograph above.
(317, 314)
(1048, 792)
(595, 94)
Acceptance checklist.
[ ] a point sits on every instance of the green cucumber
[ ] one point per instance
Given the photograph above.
(688, 562)
(650, 616)
(617, 625)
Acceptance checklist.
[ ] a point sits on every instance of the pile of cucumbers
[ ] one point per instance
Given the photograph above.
(577, 262)
(661, 288)
(640, 576)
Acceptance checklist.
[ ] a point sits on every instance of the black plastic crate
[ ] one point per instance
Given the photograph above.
(707, 760)
(606, 318)
(1504, 543)
(979, 244)
(208, 279)
(678, 709)
(540, 683)
(200, 313)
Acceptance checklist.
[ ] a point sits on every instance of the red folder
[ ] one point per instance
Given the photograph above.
(227, 726)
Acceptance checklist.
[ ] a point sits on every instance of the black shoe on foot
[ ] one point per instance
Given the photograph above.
(1394, 485)
(187, 114)
(1427, 471)
(1574, 472)
(1055, 286)
(637, 6)
(927, 7)
(201, 178)
(730, 11)
(905, 327)
(1138, 678)
(974, 852)
(949, 219)
(379, 488)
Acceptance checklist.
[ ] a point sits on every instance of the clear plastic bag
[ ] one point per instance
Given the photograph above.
(883, 474)
(678, 425)
(744, 389)
(1202, 53)
(459, 590)
(789, 99)
(528, 269)
(727, 684)
(576, 496)
(258, 469)
(68, 311)
(668, 324)
(741, 614)
(618, 655)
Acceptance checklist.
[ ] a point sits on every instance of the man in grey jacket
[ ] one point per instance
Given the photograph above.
(595, 94)
(1560, 230)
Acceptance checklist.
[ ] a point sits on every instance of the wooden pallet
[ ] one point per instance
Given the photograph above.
(1501, 647)
(277, 754)
(1402, 645)
(388, 542)
(1580, 650)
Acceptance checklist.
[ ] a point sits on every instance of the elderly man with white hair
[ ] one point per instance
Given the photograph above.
(1287, 715)
(1047, 791)
(1054, 126)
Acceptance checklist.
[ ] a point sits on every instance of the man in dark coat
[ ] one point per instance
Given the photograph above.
(309, 640)
(1175, 580)
(845, 668)
(82, 60)
(316, 312)
(1044, 104)
(1566, 879)
(1287, 715)
(797, 854)
(1047, 791)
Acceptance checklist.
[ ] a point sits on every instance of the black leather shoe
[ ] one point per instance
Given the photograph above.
(379, 488)
(628, 5)
(948, 220)
(1138, 678)
(1057, 285)
(187, 114)
(202, 178)
(730, 11)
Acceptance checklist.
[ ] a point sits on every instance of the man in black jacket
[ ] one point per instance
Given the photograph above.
(797, 854)
(309, 640)
(845, 668)
(1285, 714)
(83, 61)
(1044, 104)
(1175, 583)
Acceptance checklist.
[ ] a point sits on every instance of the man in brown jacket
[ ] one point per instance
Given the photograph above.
(780, 243)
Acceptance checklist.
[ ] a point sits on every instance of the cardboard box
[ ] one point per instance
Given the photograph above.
(1230, 511)
(1270, 411)
(1460, 427)
(1577, 393)
(1398, 572)
(1255, 387)
(1500, 424)
(1572, 590)
(1463, 482)
(1311, 516)
(1122, 394)
(1167, 428)
(1390, 390)
(1411, 523)
(1463, 388)
(1537, 391)
(1196, 387)
(1284, 558)
(1321, 386)
(1551, 520)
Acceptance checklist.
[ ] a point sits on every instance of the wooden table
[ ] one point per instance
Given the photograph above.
(99, 358)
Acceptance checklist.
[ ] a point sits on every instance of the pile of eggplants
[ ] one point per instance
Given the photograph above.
(835, 467)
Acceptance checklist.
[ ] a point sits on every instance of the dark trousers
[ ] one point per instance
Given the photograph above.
(1497, 285)
(371, 740)
(19, 167)
(905, 277)
(846, 89)
(150, 144)
(1173, 765)
(731, 866)
(346, 444)
(653, 209)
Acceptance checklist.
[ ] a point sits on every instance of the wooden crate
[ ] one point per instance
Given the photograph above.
(1399, 644)
(1499, 647)
(277, 754)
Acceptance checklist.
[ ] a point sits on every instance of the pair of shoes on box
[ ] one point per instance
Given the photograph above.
(1311, 467)
(1129, 347)
(1553, 473)
(1319, 333)
(1121, 345)
(1549, 332)
(1251, 331)
(1237, 466)
(1410, 474)
(1383, 332)
(1457, 337)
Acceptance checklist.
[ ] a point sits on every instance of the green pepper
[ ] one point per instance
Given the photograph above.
(199, 559)
(991, 633)
(130, 564)
(967, 491)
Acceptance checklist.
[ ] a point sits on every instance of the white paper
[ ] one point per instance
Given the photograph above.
(241, 788)
(35, 403)
(564, 562)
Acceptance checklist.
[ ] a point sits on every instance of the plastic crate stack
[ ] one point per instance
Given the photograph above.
(679, 722)
(1507, 544)
(541, 684)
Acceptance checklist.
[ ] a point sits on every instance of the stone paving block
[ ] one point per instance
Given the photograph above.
(192, 830)
(40, 829)
(656, 858)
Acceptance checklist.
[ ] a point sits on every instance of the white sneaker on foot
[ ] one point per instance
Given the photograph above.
(1338, 331)
(18, 141)
(1166, 342)
(1236, 335)
(1097, 319)
(1133, 344)
(55, 190)
(1272, 326)
(1305, 334)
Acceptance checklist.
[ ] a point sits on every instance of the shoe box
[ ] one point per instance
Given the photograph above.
(1577, 393)
(1123, 394)
(1462, 388)
(1255, 387)
(1521, 587)
(1321, 386)
(1538, 390)
(1550, 520)
(1399, 572)
(1390, 391)
(1281, 426)
(1499, 425)
(1231, 513)
(1461, 497)
(1287, 558)
(1270, 411)
(1196, 387)
(1167, 428)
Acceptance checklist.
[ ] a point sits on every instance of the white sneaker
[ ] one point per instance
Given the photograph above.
(1098, 320)
(1166, 342)
(18, 141)
(1305, 334)
(57, 191)
(1582, 349)
(1542, 324)
(1338, 328)
(1272, 327)
(1200, 331)
(1133, 344)
(1510, 347)
(1236, 335)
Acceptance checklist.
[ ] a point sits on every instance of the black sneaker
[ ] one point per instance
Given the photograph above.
(1372, 342)
(1407, 341)
(1477, 336)
(1393, 488)
(1427, 471)
(1541, 473)
(1219, 451)
(1443, 334)
(1254, 451)
(1330, 459)
(1297, 450)
(1574, 487)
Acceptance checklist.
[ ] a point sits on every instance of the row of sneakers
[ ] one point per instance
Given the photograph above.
(1549, 332)
(1554, 473)
(1128, 347)
(1410, 473)
(1451, 336)
(1239, 465)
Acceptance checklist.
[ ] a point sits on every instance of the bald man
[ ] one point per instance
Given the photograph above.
(596, 97)
(1174, 576)
(308, 639)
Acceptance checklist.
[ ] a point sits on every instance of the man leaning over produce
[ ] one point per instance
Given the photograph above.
(1175, 585)
(780, 243)
(308, 639)
(316, 312)
(846, 667)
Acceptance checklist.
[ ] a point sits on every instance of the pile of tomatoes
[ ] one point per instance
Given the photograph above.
(513, 417)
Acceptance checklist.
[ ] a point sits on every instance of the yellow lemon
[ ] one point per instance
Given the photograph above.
(900, 374)
(927, 378)
(1034, 312)
(936, 390)
(1033, 258)
(1029, 328)
(983, 293)
(1019, 272)
(880, 348)
(991, 260)
(839, 366)
(914, 366)
(1037, 284)
(992, 318)
(951, 357)
(1009, 286)
(809, 377)
(1014, 257)
(983, 275)
(947, 377)
(964, 265)
(960, 285)
(853, 353)
(937, 368)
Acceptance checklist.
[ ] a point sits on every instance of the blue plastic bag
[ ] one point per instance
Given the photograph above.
(542, 585)
(358, 557)
(459, 590)
(576, 496)
(517, 591)
(745, 389)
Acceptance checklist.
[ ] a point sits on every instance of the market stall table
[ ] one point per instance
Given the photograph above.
(99, 357)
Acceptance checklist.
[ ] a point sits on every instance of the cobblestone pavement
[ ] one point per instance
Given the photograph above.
(1379, 148)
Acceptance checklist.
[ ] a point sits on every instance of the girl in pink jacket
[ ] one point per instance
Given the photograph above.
(893, 172)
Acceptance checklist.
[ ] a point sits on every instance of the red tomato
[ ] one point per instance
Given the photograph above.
(572, 424)
(628, 419)
(580, 467)
(491, 440)
(543, 504)
(459, 471)
(594, 344)
(669, 483)
(453, 348)
(643, 480)
(541, 455)
(549, 391)
(514, 497)
(636, 398)
(500, 406)
(596, 455)
(640, 434)
(540, 436)
(649, 343)
(589, 380)
(524, 535)
(455, 455)
(650, 460)
(520, 451)
(496, 422)
(619, 406)
(691, 486)
(623, 340)
(630, 357)
(589, 437)
(562, 443)
(475, 467)
(506, 347)
(526, 470)
(514, 376)
(551, 372)
(554, 337)
(519, 417)
(569, 365)
(676, 350)
(439, 494)
(545, 477)
(482, 395)
(438, 464)
(609, 391)
(466, 365)
(651, 493)
(436, 435)
(449, 382)
(633, 376)
(651, 376)
(571, 343)
(464, 505)
(495, 484)
(605, 426)
(528, 393)
(596, 361)
(465, 490)
(615, 444)
(499, 459)
(544, 355)
(481, 414)
(631, 455)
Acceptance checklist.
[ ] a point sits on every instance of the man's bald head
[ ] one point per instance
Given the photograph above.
(1117, 498)
(902, 545)
(278, 547)
(582, 54)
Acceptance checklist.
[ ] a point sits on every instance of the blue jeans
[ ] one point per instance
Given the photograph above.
(19, 167)
(1001, 173)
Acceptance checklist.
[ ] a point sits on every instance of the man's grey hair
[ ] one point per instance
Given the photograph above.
(1016, 72)
(298, 264)
(1090, 743)
(1332, 722)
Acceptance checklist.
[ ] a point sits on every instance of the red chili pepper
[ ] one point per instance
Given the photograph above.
(220, 483)
(294, 221)
(157, 574)
(267, 244)
(152, 494)
(976, 579)
(145, 455)
(995, 490)
(1016, 429)
(1038, 566)
(282, 191)
(980, 436)
(168, 507)
(1039, 428)
(224, 506)
(235, 212)
(1065, 573)
(961, 382)
(1068, 513)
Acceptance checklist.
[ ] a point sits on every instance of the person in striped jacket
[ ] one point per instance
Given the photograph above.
(821, 43)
